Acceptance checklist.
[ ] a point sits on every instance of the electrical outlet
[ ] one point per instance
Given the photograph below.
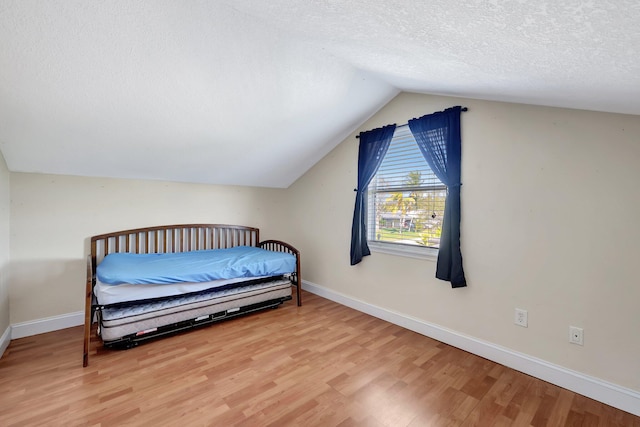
(576, 335)
(522, 318)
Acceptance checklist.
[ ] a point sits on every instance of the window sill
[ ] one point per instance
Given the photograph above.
(420, 252)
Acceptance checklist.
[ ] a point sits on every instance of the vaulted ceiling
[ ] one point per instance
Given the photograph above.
(254, 92)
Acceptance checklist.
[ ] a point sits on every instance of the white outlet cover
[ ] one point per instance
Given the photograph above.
(521, 318)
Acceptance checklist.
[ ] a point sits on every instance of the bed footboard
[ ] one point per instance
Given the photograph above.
(279, 246)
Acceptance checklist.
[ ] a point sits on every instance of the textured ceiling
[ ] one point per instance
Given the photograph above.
(254, 92)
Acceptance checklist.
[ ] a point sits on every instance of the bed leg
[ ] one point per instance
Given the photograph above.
(298, 283)
(298, 279)
(87, 337)
(88, 312)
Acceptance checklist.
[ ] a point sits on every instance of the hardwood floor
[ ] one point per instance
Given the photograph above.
(321, 364)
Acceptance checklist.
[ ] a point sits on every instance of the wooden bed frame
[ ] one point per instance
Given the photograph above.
(171, 239)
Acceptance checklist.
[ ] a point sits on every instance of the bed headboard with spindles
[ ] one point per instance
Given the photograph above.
(173, 238)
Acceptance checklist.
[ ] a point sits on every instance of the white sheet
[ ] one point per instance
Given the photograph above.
(112, 294)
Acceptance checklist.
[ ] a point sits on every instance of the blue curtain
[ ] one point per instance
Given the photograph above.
(373, 147)
(438, 136)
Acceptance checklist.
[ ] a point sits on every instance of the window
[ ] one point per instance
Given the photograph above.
(405, 201)
(407, 189)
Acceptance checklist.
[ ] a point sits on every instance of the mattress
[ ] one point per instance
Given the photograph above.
(193, 266)
(140, 319)
(114, 294)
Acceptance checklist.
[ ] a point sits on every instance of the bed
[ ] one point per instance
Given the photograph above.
(146, 283)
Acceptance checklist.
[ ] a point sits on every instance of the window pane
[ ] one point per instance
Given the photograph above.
(406, 199)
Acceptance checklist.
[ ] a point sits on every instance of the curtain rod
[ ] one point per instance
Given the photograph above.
(407, 124)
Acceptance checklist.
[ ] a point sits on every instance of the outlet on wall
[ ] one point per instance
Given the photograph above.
(576, 335)
(522, 318)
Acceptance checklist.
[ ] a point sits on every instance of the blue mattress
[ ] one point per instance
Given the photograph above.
(194, 266)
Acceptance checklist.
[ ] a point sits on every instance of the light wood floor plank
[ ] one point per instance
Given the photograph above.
(321, 364)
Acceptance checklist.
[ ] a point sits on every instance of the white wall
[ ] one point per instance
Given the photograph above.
(52, 218)
(4, 248)
(550, 212)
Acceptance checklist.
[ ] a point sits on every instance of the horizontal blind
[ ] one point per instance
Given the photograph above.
(404, 166)
(405, 198)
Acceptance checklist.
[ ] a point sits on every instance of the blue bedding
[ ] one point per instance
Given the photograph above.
(194, 266)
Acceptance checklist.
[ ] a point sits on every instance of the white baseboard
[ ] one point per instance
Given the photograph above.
(5, 339)
(611, 394)
(48, 324)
